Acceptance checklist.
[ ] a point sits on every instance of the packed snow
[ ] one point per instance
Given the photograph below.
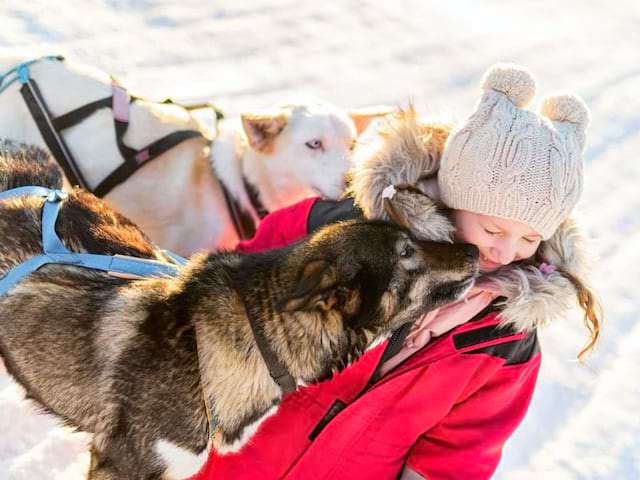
(584, 422)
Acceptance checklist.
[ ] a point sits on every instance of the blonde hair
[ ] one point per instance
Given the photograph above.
(590, 303)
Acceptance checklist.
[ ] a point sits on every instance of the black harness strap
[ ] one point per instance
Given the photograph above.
(79, 114)
(243, 222)
(133, 159)
(137, 159)
(33, 98)
(254, 197)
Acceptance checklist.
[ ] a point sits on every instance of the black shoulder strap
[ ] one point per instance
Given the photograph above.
(38, 109)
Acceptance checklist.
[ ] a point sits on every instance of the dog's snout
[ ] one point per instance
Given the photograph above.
(471, 252)
(461, 257)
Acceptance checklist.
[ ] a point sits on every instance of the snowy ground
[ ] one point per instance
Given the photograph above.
(583, 423)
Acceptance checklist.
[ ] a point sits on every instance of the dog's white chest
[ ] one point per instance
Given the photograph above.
(181, 463)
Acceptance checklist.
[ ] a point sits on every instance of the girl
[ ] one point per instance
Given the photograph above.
(441, 404)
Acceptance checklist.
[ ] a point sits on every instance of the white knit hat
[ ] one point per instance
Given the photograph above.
(509, 162)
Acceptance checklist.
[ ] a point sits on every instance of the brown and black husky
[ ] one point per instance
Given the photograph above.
(136, 362)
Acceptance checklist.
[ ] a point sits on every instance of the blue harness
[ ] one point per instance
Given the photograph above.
(56, 252)
(21, 72)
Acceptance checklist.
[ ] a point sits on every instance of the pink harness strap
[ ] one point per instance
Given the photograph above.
(142, 156)
(120, 105)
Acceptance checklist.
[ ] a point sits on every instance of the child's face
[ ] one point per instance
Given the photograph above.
(499, 240)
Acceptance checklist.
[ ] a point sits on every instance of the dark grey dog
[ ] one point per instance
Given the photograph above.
(139, 363)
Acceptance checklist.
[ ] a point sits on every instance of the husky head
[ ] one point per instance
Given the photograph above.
(360, 280)
(302, 150)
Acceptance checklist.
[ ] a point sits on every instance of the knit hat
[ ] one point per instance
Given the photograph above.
(512, 163)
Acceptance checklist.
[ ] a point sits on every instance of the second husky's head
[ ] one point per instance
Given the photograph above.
(355, 282)
(302, 149)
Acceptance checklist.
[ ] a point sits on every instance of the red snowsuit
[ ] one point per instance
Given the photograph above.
(445, 412)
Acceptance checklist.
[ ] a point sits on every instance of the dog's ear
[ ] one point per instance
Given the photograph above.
(262, 127)
(320, 285)
(362, 117)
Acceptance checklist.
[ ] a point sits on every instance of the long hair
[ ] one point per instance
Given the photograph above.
(589, 301)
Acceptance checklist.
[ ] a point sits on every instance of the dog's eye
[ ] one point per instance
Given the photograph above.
(407, 251)
(314, 144)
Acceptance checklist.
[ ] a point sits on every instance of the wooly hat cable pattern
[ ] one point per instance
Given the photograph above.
(509, 162)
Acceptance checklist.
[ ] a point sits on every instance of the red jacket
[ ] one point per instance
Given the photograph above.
(445, 412)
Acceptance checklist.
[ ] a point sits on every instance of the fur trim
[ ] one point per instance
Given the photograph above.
(400, 151)
(406, 152)
(535, 299)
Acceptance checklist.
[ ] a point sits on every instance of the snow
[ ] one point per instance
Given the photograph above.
(583, 422)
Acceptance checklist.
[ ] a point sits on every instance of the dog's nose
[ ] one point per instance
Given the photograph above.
(471, 252)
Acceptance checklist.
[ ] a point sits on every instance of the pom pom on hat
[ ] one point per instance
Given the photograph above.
(566, 108)
(510, 162)
(515, 81)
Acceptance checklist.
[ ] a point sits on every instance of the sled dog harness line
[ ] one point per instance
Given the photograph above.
(119, 101)
(55, 252)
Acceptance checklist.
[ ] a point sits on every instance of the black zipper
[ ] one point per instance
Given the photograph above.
(393, 347)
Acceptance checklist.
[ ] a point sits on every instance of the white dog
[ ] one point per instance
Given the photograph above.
(198, 194)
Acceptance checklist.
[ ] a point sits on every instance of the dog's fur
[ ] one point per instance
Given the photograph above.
(177, 198)
(134, 361)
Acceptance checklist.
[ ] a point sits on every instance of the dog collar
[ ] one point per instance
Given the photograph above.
(277, 369)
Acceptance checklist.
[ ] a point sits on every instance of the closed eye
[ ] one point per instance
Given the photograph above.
(490, 232)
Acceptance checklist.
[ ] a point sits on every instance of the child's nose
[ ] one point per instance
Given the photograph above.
(505, 252)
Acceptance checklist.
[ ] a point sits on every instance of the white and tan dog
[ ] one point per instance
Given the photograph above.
(285, 154)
